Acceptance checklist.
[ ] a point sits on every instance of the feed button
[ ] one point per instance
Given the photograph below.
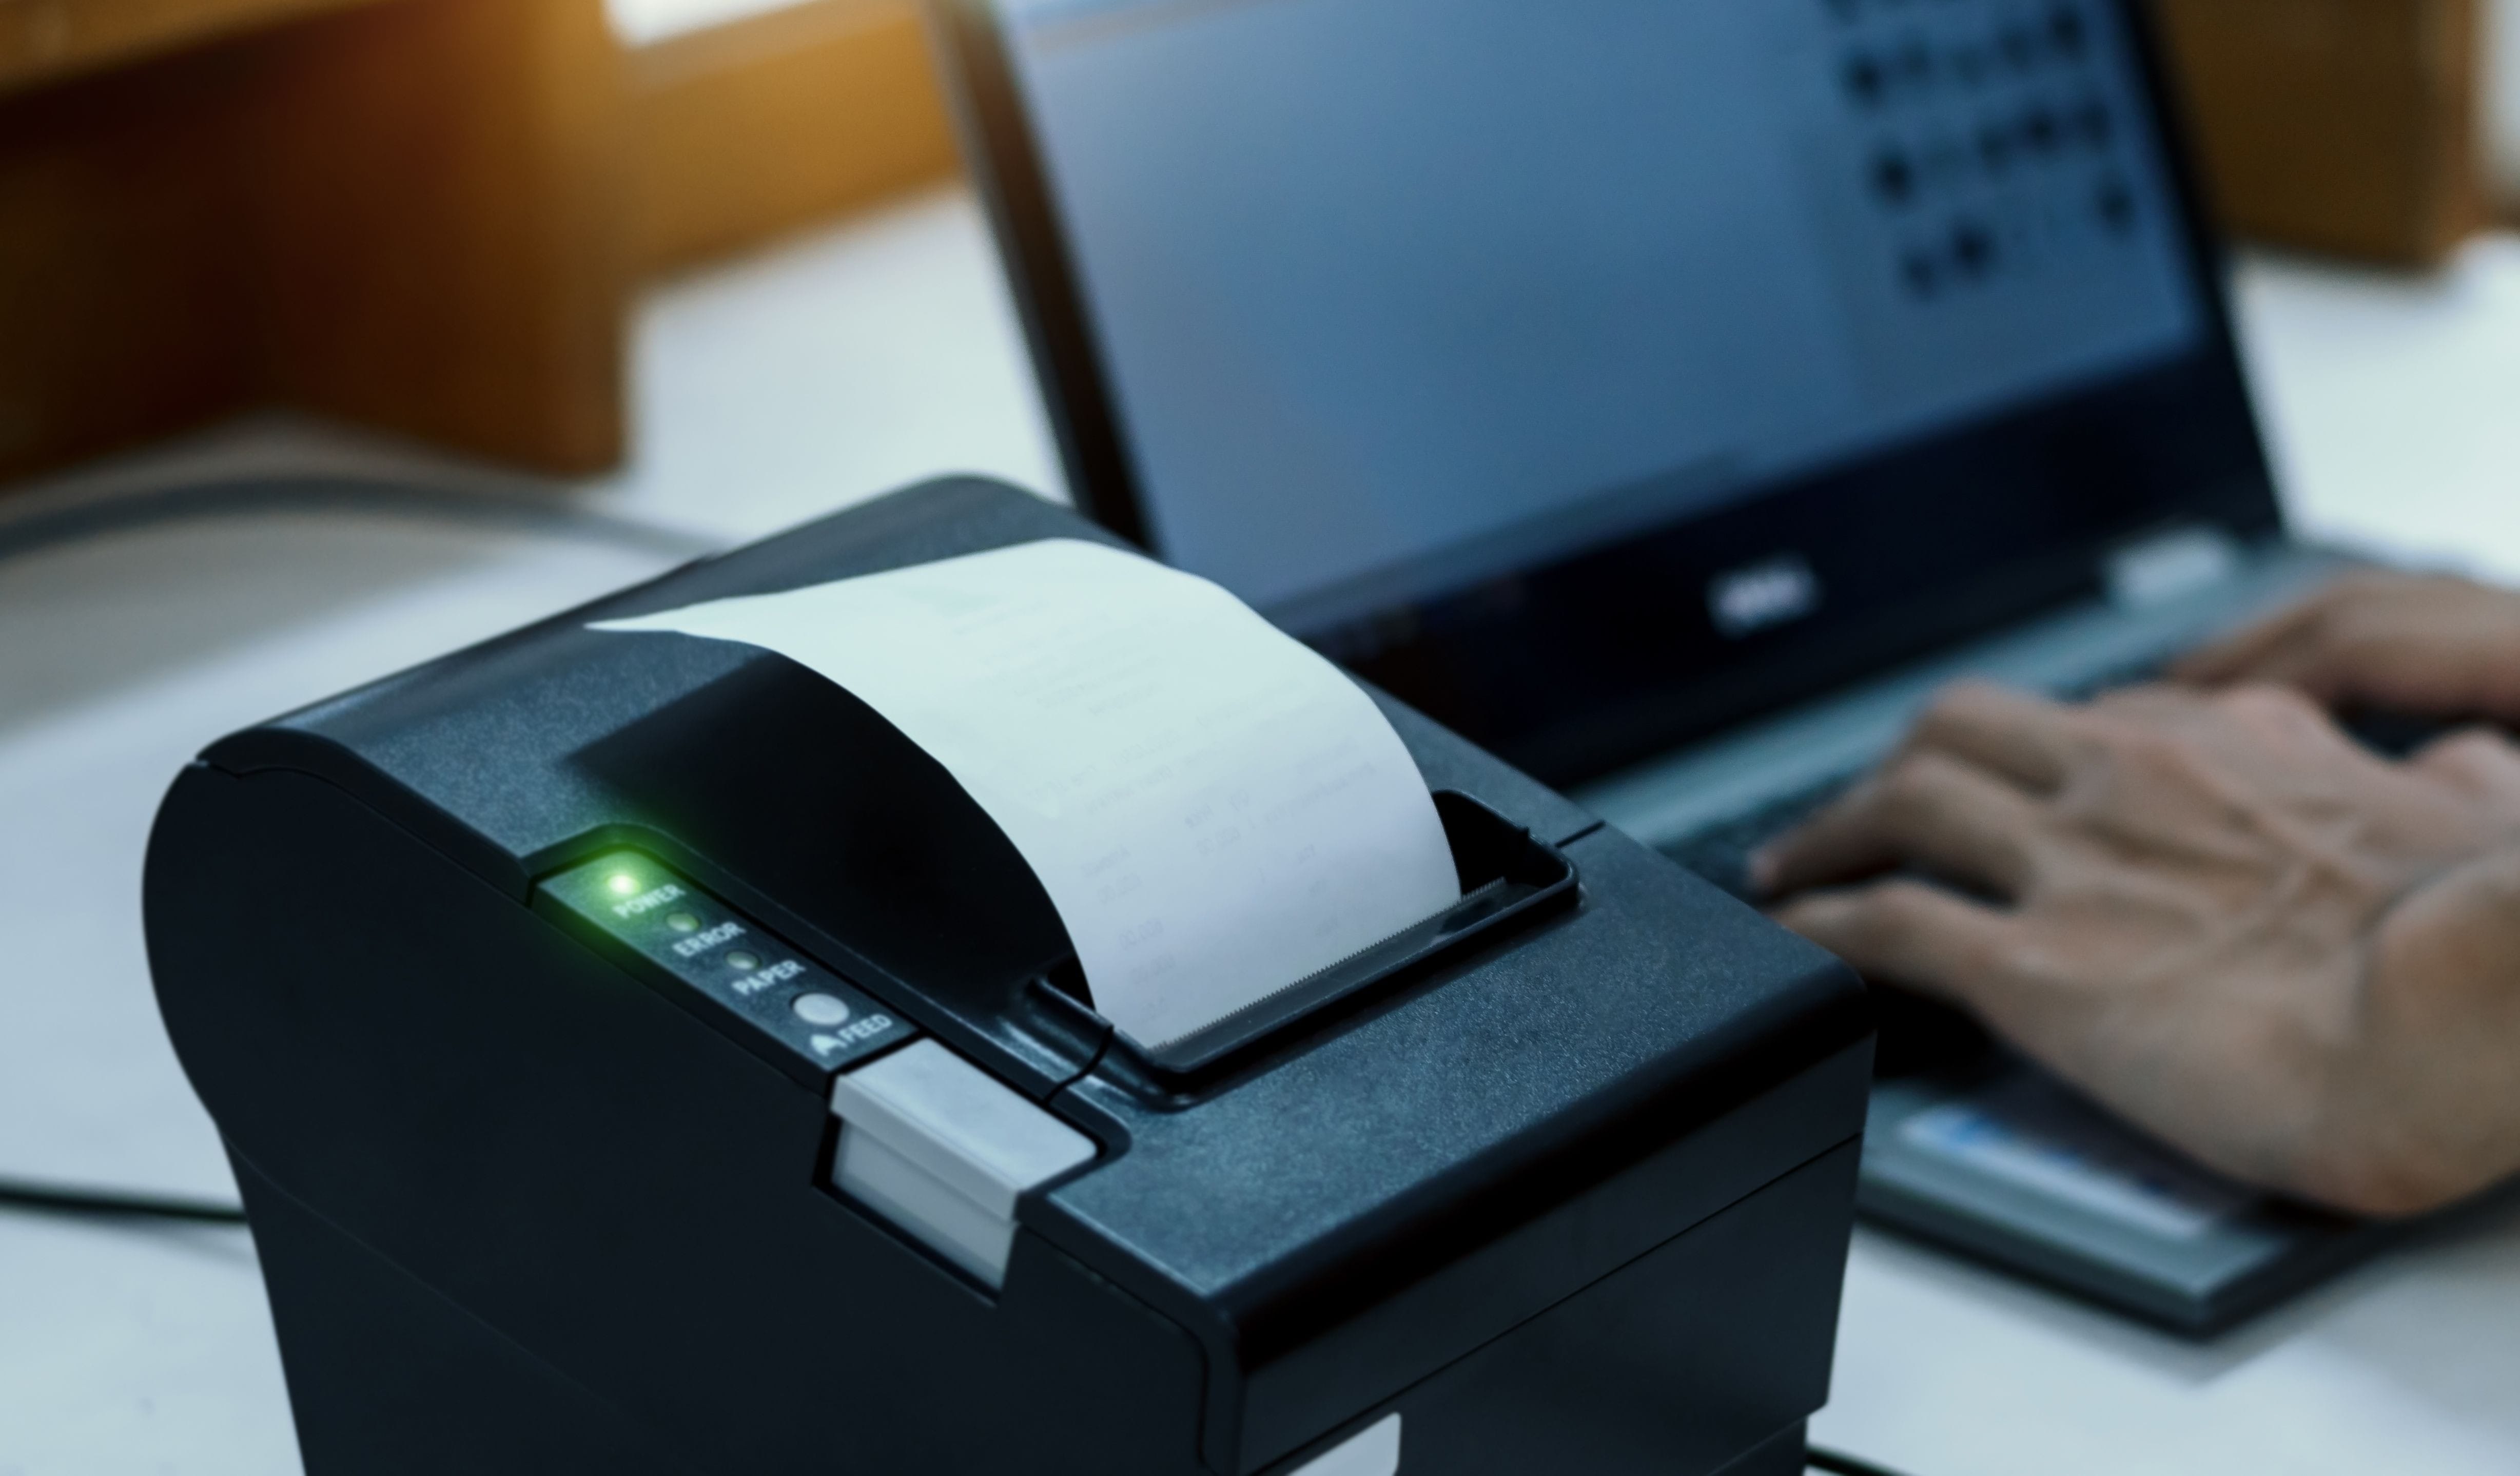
(821, 1009)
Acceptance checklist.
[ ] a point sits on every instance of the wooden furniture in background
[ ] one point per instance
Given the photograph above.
(44, 39)
(120, 272)
(428, 216)
(425, 217)
(752, 129)
(404, 214)
(437, 190)
(2350, 126)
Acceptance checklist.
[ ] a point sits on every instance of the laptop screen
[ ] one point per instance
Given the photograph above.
(1390, 301)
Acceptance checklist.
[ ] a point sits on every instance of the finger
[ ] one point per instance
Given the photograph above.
(2274, 712)
(2027, 739)
(2316, 660)
(2387, 640)
(2155, 701)
(1909, 933)
(2241, 653)
(2289, 638)
(2479, 763)
(1926, 809)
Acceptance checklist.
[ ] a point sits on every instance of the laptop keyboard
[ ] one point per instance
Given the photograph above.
(1721, 853)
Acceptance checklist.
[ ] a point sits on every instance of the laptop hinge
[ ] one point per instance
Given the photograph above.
(2170, 564)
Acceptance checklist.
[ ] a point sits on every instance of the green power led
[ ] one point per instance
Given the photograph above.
(623, 883)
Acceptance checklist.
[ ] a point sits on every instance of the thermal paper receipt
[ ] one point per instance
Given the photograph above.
(1215, 811)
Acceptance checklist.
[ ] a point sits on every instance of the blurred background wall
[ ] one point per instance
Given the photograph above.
(427, 216)
(424, 216)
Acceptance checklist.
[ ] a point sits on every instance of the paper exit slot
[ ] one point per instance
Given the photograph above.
(944, 1152)
(1510, 879)
(1213, 808)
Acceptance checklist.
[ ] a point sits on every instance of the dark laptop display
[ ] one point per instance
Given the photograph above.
(1597, 374)
(1670, 394)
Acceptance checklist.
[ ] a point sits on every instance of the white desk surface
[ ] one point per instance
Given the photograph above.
(854, 361)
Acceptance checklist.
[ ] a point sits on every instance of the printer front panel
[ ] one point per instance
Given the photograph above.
(604, 1177)
(1417, 1182)
(1681, 1363)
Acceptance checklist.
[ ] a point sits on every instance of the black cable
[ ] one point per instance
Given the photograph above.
(1819, 1460)
(40, 530)
(151, 1207)
(114, 1205)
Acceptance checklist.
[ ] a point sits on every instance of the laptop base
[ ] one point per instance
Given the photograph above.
(2005, 1165)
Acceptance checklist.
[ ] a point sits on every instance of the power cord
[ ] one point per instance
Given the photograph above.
(37, 529)
(114, 1205)
(40, 530)
(1818, 1458)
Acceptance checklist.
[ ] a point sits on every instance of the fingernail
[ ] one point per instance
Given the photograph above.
(1762, 870)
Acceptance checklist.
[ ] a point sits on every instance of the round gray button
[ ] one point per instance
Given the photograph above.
(820, 1010)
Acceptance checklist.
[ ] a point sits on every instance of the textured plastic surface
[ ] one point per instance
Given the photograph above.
(544, 1145)
(1370, 1206)
(1632, 1376)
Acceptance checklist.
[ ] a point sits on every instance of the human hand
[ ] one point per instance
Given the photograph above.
(2214, 913)
(2427, 645)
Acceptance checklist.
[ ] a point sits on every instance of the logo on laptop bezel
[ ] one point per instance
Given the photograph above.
(1776, 590)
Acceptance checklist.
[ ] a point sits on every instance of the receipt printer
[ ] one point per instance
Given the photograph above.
(638, 1057)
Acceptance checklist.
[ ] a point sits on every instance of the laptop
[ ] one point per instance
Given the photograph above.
(1670, 395)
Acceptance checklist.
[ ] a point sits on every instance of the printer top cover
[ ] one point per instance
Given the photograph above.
(432, 1074)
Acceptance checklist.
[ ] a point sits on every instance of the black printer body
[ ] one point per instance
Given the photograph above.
(522, 986)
